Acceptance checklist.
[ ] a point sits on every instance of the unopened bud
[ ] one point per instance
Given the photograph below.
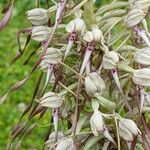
(128, 129)
(52, 56)
(110, 60)
(52, 137)
(141, 77)
(52, 100)
(134, 17)
(66, 144)
(94, 83)
(143, 56)
(41, 33)
(38, 16)
(142, 4)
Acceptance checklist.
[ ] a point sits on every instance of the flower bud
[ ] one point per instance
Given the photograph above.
(110, 60)
(52, 56)
(94, 35)
(142, 77)
(94, 83)
(66, 144)
(38, 16)
(96, 123)
(51, 140)
(77, 25)
(41, 33)
(143, 56)
(52, 100)
(142, 4)
(128, 129)
(134, 17)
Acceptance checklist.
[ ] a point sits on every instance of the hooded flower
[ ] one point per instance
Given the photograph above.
(128, 129)
(66, 144)
(110, 60)
(52, 56)
(77, 25)
(95, 35)
(134, 17)
(143, 56)
(41, 33)
(52, 100)
(98, 126)
(141, 77)
(94, 84)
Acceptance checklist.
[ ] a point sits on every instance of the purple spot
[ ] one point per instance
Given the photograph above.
(113, 71)
(104, 129)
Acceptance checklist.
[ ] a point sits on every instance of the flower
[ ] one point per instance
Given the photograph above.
(94, 83)
(98, 126)
(142, 4)
(134, 17)
(38, 16)
(66, 144)
(128, 129)
(77, 25)
(51, 140)
(110, 60)
(52, 56)
(52, 100)
(41, 33)
(94, 35)
(141, 77)
(96, 122)
(143, 56)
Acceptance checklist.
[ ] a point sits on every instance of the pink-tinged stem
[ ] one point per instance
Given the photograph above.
(61, 7)
(56, 121)
(114, 73)
(72, 39)
(88, 53)
(6, 18)
(142, 34)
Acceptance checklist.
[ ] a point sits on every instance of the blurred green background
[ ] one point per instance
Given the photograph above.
(11, 110)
